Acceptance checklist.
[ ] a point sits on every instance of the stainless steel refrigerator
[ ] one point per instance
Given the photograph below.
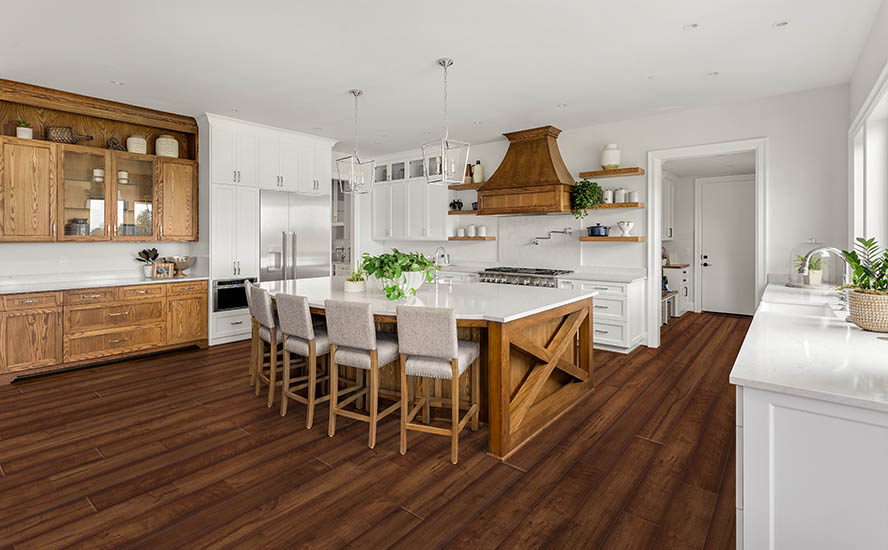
(294, 237)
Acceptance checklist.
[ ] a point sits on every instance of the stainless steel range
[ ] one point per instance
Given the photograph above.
(527, 276)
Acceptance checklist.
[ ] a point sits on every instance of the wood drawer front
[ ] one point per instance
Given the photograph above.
(608, 308)
(101, 317)
(607, 333)
(90, 296)
(34, 300)
(113, 342)
(140, 292)
(185, 289)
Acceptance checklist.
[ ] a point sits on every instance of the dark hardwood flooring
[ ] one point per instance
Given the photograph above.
(175, 451)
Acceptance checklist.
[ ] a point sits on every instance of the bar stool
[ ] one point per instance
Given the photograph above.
(355, 343)
(269, 333)
(429, 348)
(254, 334)
(304, 339)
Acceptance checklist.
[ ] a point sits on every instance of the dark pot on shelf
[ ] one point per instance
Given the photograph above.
(598, 230)
(474, 206)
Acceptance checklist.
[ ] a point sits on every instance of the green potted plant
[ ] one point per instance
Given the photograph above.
(397, 273)
(815, 270)
(355, 281)
(23, 129)
(147, 257)
(456, 204)
(585, 195)
(868, 291)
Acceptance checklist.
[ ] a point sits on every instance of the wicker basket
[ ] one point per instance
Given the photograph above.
(64, 134)
(868, 311)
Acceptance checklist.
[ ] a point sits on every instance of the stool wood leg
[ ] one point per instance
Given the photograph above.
(285, 385)
(254, 344)
(260, 364)
(312, 382)
(374, 395)
(334, 391)
(272, 374)
(476, 393)
(426, 413)
(404, 400)
(360, 379)
(454, 407)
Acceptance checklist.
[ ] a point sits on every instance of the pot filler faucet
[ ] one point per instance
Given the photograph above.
(846, 275)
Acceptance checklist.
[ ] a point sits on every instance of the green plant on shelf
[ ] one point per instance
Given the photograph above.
(585, 195)
(456, 204)
(22, 124)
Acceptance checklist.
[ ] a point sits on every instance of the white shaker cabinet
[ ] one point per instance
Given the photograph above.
(291, 162)
(235, 155)
(409, 210)
(222, 201)
(618, 312)
(418, 211)
(679, 279)
(381, 204)
(234, 248)
(399, 210)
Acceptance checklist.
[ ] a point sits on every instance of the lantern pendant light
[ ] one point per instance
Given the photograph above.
(445, 159)
(355, 176)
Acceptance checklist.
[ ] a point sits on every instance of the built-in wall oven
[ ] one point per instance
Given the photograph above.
(229, 294)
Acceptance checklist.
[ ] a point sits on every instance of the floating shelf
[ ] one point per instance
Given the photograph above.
(620, 205)
(676, 266)
(471, 238)
(612, 239)
(462, 212)
(618, 173)
(465, 186)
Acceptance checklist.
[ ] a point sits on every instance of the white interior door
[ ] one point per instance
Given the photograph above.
(727, 253)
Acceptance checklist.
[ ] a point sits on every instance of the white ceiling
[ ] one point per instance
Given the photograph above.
(733, 164)
(290, 63)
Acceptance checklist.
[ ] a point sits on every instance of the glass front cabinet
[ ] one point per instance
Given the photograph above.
(135, 196)
(84, 194)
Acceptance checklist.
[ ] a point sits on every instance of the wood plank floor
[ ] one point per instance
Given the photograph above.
(175, 451)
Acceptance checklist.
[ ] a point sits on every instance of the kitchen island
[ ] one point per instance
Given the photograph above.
(536, 345)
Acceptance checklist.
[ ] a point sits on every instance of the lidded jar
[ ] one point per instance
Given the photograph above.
(825, 270)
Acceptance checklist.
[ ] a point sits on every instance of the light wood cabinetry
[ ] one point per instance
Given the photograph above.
(178, 206)
(27, 190)
(45, 331)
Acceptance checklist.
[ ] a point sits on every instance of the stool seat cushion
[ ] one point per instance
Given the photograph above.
(386, 351)
(299, 346)
(265, 334)
(433, 367)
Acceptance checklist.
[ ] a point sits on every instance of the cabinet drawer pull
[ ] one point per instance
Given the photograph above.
(141, 292)
(600, 307)
(119, 340)
(118, 314)
(89, 296)
(32, 301)
(600, 288)
(601, 331)
(235, 322)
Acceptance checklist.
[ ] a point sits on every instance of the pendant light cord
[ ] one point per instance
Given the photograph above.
(356, 94)
(446, 133)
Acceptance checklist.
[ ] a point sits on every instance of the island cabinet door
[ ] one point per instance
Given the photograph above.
(30, 339)
(187, 319)
(178, 189)
(27, 190)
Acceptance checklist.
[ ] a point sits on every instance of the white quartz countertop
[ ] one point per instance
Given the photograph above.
(482, 301)
(627, 275)
(800, 344)
(17, 287)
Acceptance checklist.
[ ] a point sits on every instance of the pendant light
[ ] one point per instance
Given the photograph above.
(355, 177)
(445, 159)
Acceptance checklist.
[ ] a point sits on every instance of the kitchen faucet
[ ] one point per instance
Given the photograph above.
(846, 275)
(441, 258)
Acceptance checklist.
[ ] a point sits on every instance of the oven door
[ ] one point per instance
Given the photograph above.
(230, 294)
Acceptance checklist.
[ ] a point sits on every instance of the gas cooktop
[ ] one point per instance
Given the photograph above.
(527, 276)
(529, 271)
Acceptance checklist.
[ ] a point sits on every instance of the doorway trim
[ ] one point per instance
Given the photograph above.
(698, 233)
(655, 160)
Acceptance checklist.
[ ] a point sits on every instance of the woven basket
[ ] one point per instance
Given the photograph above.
(868, 311)
(64, 134)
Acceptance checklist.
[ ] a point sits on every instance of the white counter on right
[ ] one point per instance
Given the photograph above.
(812, 427)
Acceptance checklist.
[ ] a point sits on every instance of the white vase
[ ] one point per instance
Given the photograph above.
(137, 144)
(610, 157)
(24, 133)
(166, 146)
(148, 270)
(355, 286)
(815, 277)
(625, 227)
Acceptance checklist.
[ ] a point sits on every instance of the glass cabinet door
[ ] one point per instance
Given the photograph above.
(83, 204)
(416, 169)
(398, 171)
(134, 183)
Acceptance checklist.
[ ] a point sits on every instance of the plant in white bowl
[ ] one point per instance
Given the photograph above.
(399, 274)
(355, 281)
(626, 227)
(868, 294)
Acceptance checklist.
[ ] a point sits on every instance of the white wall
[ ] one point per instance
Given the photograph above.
(806, 168)
(871, 62)
(683, 242)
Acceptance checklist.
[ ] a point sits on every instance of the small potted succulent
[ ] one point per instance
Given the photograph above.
(355, 281)
(815, 270)
(147, 257)
(23, 129)
(456, 204)
(397, 273)
(585, 195)
(868, 291)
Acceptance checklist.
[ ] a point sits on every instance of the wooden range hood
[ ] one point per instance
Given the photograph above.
(532, 179)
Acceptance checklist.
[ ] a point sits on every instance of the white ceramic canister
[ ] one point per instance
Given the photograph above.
(137, 144)
(24, 133)
(620, 195)
(608, 196)
(472, 231)
(482, 230)
(633, 196)
(166, 146)
(610, 157)
(460, 231)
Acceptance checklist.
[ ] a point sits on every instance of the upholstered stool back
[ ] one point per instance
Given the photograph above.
(428, 331)
(350, 324)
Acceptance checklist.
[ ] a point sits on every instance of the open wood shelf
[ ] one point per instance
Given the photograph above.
(676, 266)
(465, 186)
(618, 173)
(471, 238)
(612, 239)
(620, 205)
(462, 212)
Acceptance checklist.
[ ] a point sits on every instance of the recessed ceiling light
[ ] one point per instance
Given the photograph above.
(780, 24)
(690, 26)
(118, 83)
(234, 109)
(713, 73)
(477, 122)
(562, 105)
(651, 76)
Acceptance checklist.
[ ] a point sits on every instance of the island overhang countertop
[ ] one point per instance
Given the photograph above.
(475, 301)
(536, 360)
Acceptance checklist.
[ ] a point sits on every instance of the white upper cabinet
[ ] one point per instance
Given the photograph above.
(400, 208)
(290, 162)
(222, 247)
(418, 210)
(269, 161)
(246, 239)
(323, 167)
(381, 204)
(235, 154)
(436, 225)
(291, 159)
(407, 208)
(247, 157)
